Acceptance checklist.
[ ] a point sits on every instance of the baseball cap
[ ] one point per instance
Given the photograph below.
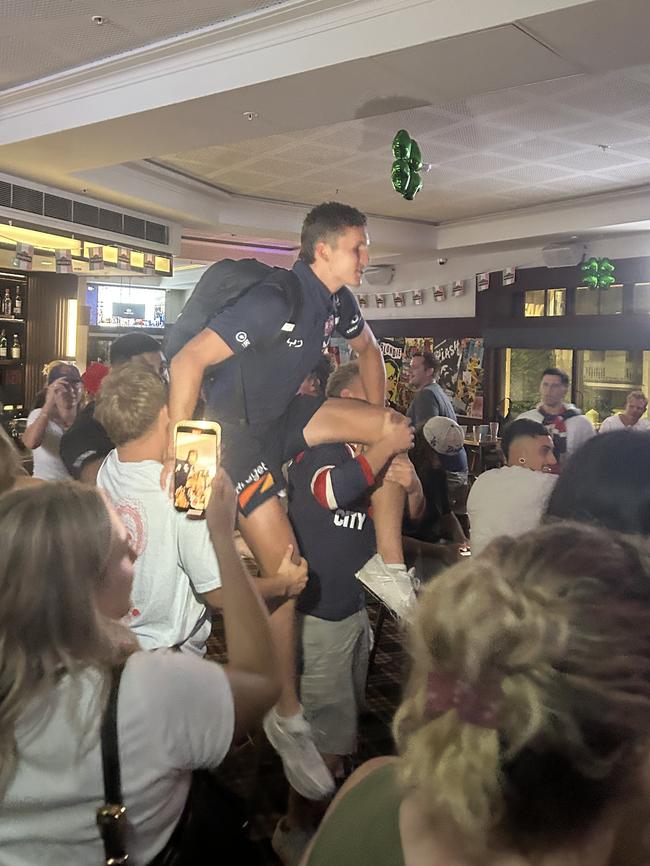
(129, 345)
(443, 435)
(64, 371)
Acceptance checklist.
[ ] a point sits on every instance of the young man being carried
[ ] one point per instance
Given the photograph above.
(176, 573)
(273, 425)
(329, 501)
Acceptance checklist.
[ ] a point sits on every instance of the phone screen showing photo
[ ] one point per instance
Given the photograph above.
(196, 458)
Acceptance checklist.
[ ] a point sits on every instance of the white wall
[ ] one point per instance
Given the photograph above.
(459, 266)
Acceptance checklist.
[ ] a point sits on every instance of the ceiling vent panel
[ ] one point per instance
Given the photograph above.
(134, 227)
(156, 233)
(85, 214)
(57, 207)
(24, 198)
(110, 220)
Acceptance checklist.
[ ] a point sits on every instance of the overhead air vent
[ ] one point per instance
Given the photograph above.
(86, 214)
(110, 220)
(24, 198)
(35, 201)
(57, 207)
(134, 226)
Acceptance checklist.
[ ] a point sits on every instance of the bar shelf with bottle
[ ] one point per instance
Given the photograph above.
(13, 342)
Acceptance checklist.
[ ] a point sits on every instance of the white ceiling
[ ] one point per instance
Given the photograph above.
(42, 37)
(495, 152)
(509, 110)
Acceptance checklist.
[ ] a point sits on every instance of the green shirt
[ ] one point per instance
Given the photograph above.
(363, 830)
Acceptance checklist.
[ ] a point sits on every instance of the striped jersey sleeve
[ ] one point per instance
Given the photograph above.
(339, 486)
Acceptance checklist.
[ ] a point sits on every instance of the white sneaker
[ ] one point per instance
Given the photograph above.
(290, 844)
(304, 767)
(392, 585)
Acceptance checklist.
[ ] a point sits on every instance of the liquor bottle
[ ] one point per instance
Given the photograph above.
(6, 303)
(15, 348)
(18, 304)
(3, 345)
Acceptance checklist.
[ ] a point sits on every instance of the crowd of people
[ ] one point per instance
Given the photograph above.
(522, 736)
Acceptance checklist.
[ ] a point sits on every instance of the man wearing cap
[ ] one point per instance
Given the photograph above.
(438, 443)
(85, 445)
(47, 425)
(431, 401)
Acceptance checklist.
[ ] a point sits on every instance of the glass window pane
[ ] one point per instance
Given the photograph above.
(607, 378)
(586, 301)
(526, 368)
(556, 302)
(641, 298)
(611, 301)
(535, 303)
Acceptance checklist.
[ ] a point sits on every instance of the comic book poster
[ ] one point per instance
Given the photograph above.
(412, 346)
(461, 374)
(392, 348)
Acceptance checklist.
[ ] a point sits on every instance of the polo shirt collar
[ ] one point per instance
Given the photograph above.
(309, 279)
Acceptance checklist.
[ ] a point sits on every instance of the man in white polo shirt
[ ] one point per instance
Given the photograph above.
(511, 500)
(630, 418)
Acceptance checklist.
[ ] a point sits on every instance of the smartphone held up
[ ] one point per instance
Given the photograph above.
(197, 446)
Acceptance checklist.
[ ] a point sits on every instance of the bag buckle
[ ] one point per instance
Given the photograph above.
(110, 820)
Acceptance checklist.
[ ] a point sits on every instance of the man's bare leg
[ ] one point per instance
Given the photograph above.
(349, 420)
(268, 533)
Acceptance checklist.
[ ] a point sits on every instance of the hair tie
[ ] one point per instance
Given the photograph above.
(475, 704)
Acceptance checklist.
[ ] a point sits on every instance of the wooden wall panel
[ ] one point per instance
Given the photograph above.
(46, 311)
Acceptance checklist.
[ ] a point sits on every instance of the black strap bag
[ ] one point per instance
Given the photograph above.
(213, 819)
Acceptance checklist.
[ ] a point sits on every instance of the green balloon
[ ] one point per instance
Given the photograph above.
(606, 280)
(400, 175)
(590, 266)
(415, 160)
(606, 267)
(402, 145)
(414, 186)
(591, 281)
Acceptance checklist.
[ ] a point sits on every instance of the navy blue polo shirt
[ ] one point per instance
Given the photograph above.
(272, 374)
(328, 507)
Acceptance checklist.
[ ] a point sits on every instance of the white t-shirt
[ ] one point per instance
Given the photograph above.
(614, 422)
(578, 427)
(506, 501)
(175, 714)
(175, 560)
(47, 462)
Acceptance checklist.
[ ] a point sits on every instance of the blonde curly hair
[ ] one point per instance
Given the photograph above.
(130, 400)
(561, 618)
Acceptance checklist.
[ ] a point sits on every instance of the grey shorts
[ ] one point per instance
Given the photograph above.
(333, 671)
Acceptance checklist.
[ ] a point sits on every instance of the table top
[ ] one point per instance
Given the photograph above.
(471, 441)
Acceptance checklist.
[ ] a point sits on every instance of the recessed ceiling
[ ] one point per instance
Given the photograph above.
(42, 37)
(514, 148)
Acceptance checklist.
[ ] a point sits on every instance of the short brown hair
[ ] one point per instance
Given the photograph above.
(130, 401)
(326, 222)
(429, 360)
(342, 378)
(636, 395)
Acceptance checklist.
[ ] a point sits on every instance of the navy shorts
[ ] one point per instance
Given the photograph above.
(253, 455)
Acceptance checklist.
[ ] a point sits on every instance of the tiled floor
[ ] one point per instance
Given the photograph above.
(255, 771)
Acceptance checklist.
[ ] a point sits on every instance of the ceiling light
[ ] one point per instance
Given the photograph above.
(250, 115)
(98, 19)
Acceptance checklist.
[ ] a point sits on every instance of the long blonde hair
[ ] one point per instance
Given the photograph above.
(54, 547)
(561, 619)
(10, 466)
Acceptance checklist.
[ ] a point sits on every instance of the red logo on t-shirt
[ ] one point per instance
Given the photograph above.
(131, 513)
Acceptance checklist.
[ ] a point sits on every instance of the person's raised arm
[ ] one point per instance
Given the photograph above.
(33, 435)
(186, 375)
(371, 366)
(252, 667)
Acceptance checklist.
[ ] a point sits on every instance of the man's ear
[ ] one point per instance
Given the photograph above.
(322, 251)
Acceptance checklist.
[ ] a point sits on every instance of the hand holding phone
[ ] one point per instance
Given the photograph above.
(197, 447)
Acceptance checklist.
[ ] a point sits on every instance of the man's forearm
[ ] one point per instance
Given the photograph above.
(415, 505)
(186, 378)
(373, 374)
